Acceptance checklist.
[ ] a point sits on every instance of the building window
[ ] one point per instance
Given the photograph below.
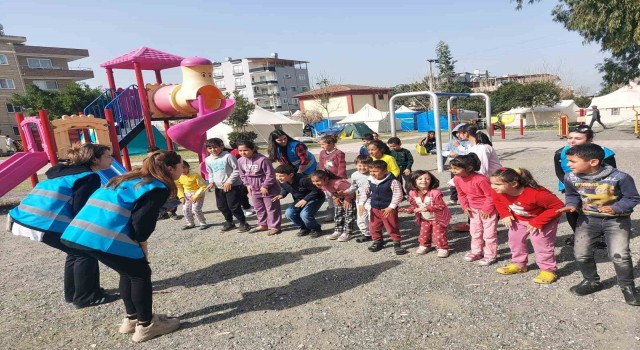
(304, 88)
(294, 89)
(615, 111)
(294, 101)
(240, 81)
(263, 78)
(42, 63)
(219, 83)
(16, 131)
(13, 109)
(7, 84)
(284, 101)
(380, 97)
(283, 88)
(3, 60)
(46, 84)
(237, 69)
(302, 77)
(217, 72)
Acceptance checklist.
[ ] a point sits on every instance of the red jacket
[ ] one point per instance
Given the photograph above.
(536, 205)
(474, 191)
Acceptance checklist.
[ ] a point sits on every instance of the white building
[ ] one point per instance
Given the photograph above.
(269, 82)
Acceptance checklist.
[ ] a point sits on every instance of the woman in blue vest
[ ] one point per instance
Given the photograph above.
(114, 227)
(45, 213)
(285, 150)
(577, 136)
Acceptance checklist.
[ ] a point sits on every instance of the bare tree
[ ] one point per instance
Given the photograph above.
(323, 94)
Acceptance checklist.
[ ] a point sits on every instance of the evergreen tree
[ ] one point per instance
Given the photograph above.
(239, 119)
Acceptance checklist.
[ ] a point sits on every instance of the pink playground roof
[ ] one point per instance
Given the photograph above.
(148, 58)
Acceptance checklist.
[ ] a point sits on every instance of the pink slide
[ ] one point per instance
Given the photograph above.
(19, 167)
(191, 134)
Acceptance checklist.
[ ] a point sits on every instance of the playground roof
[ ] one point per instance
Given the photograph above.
(148, 58)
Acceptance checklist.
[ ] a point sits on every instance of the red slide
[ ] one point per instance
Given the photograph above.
(19, 167)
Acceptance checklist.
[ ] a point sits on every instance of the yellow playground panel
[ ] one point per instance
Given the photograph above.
(62, 126)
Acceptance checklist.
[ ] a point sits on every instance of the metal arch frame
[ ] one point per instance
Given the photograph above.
(436, 114)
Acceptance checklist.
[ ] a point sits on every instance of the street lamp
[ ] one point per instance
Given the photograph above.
(431, 62)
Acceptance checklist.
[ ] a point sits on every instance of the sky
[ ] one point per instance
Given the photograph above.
(379, 43)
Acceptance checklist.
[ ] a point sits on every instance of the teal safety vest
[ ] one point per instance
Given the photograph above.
(48, 207)
(292, 157)
(104, 223)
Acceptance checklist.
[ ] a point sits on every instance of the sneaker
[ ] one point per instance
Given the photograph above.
(363, 239)
(376, 246)
(471, 257)
(103, 299)
(128, 326)
(423, 250)
(303, 232)
(244, 227)
(631, 295)
(586, 287)
(174, 216)
(334, 236)
(228, 226)
(461, 227)
(160, 325)
(443, 253)
(188, 226)
(399, 249)
(274, 231)
(204, 226)
(344, 237)
(546, 277)
(249, 212)
(511, 269)
(315, 233)
(487, 261)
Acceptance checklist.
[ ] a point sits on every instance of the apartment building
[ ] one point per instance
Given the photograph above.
(22, 65)
(482, 82)
(269, 82)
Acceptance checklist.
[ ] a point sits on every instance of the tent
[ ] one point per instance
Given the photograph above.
(618, 106)
(426, 123)
(376, 120)
(139, 144)
(404, 109)
(407, 118)
(262, 122)
(544, 115)
(354, 131)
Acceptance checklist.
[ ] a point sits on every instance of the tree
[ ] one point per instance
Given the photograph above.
(71, 100)
(323, 96)
(239, 119)
(446, 68)
(420, 102)
(512, 95)
(615, 25)
(309, 117)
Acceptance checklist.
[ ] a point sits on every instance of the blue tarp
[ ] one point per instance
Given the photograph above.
(426, 123)
(407, 120)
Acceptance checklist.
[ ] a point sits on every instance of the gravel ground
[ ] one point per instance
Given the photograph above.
(250, 291)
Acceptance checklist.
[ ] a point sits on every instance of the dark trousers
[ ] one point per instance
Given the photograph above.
(453, 191)
(593, 120)
(616, 231)
(81, 272)
(230, 203)
(572, 219)
(135, 283)
(245, 198)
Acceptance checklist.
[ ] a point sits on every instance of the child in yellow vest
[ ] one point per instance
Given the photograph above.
(191, 190)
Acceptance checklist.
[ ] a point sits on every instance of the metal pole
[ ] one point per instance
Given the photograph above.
(449, 119)
(487, 102)
(436, 120)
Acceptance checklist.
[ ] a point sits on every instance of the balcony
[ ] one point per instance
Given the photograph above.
(43, 51)
(56, 73)
(267, 95)
(264, 82)
(262, 69)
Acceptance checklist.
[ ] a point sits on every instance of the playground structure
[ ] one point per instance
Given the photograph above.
(53, 142)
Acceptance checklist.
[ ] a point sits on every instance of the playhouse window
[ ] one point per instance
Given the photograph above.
(7, 84)
(615, 111)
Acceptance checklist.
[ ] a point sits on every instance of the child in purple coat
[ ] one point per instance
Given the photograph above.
(256, 172)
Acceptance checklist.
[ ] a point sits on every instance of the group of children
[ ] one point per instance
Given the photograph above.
(370, 200)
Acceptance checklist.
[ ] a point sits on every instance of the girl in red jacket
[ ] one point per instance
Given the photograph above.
(528, 210)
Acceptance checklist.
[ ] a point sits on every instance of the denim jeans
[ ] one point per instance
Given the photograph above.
(305, 217)
(616, 231)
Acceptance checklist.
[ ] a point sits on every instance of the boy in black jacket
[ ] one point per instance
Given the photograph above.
(307, 200)
(604, 198)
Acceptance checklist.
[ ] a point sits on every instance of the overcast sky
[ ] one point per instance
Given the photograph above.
(381, 43)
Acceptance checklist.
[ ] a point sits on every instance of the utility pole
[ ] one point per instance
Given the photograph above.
(431, 62)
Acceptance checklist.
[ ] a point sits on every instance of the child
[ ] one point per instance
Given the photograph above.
(359, 181)
(432, 214)
(385, 193)
(527, 210)
(366, 139)
(475, 199)
(307, 200)
(375, 136)
(481, 145)
(344, 202)
(191, 190)
(429, 142)
(256, 172)
(379, 151)
(224, 176)
(404, 159)
(459, 147)
(332, 160)
(604, 197)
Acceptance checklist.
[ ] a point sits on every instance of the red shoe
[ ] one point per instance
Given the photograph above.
(461, 227)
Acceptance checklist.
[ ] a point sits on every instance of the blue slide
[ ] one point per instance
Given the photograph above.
(115, 170)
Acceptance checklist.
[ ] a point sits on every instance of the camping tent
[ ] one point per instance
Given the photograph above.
(376, 120)
(544, 115)
(617, 107)
(262, 122)
(139, 144)
(354, 131)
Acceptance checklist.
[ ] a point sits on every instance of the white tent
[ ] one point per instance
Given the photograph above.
(262, 122)
(376, 120)
(617, 107)
(544, 115)
(404, 109)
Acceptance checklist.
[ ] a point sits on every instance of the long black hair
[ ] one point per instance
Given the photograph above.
(273, 145)
(381, 145)
(324, 175)
(473, 131)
